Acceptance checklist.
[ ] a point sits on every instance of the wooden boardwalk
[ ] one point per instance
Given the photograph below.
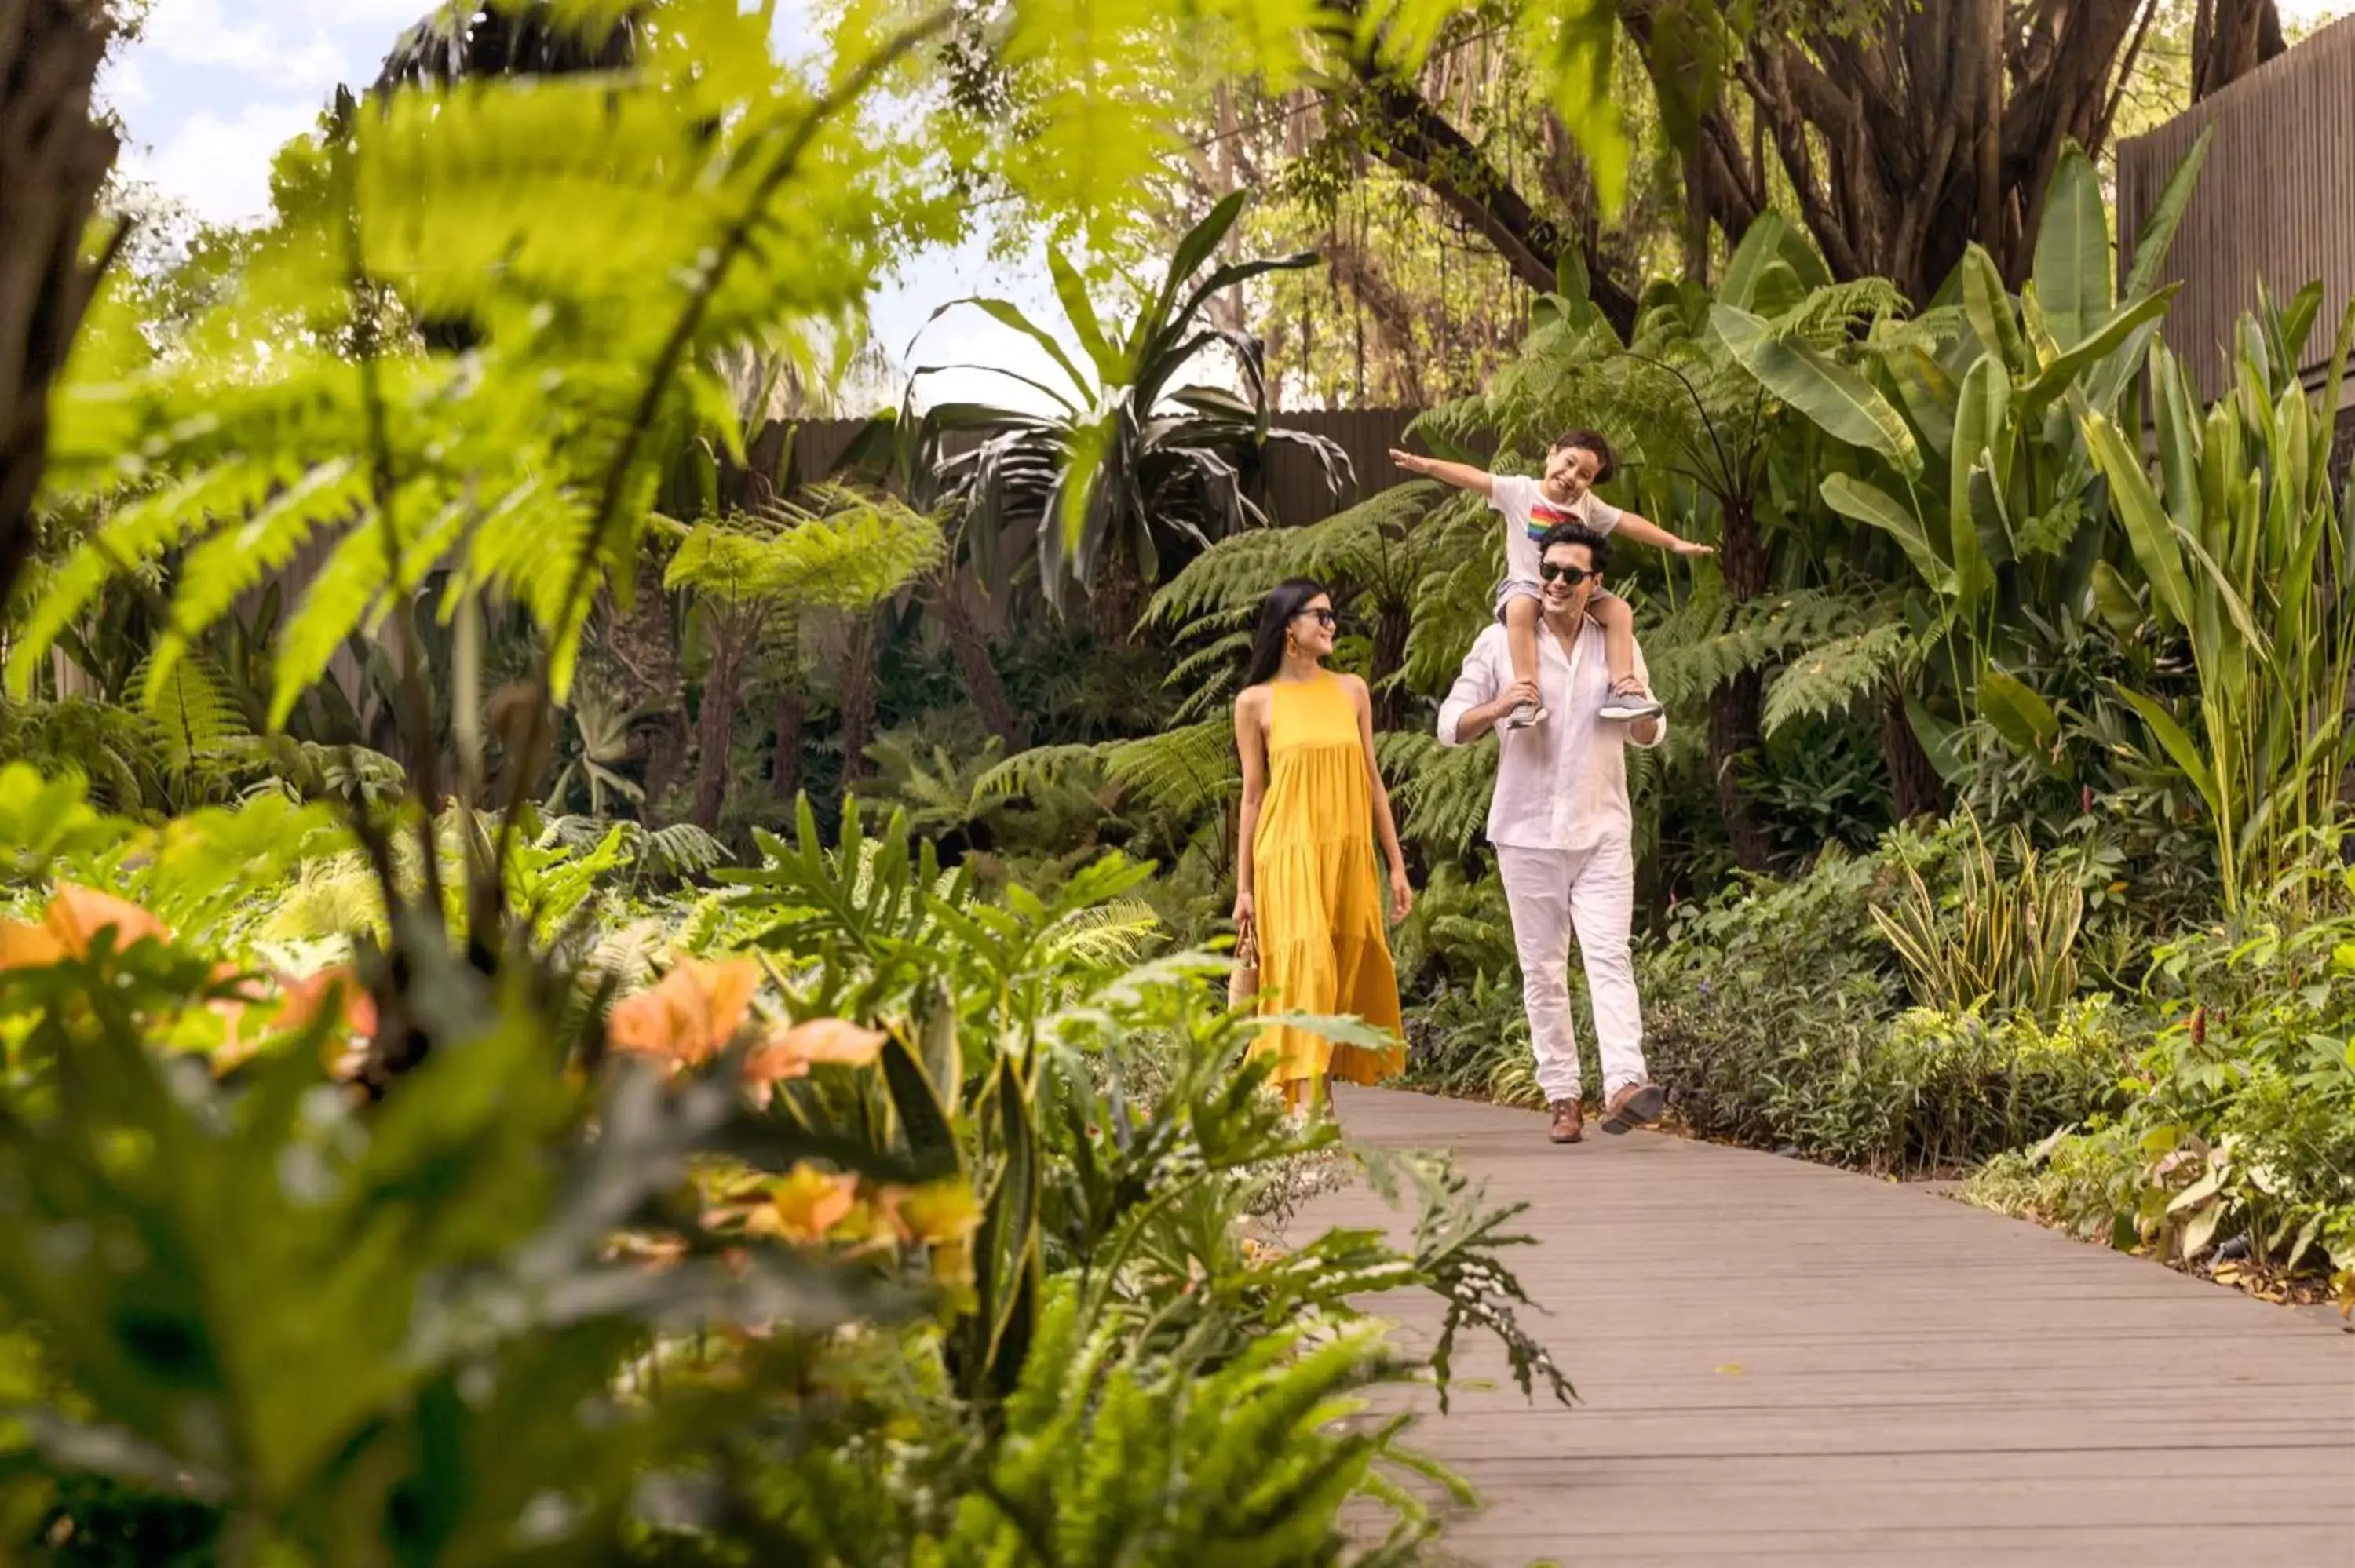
(1779, 1363)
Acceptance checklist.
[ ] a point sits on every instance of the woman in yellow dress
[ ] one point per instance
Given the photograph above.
(1305, 880)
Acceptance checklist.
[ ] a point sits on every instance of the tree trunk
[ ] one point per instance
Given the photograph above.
(1392, 625)
(734, 635)
(2230, 38)
(945, 598)
(645, 645)
(54, 159)
(1914, 787)
(793, 715)
(858, 682)
(1736, 708)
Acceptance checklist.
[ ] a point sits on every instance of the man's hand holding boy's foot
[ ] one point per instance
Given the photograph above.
(1523, 708)
(1629, 702)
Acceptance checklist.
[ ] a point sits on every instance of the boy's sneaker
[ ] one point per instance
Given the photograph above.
(1525, 715)
(1629, 705)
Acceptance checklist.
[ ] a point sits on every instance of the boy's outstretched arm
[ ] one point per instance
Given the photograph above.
(1462, 476)
(1644, 531)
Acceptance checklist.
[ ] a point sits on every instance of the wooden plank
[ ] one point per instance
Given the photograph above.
(1779, 1361)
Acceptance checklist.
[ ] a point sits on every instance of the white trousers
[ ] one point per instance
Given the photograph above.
(1591, 892)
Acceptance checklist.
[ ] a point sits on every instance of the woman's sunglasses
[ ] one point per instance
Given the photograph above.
(1573, 575)
(1322, 617)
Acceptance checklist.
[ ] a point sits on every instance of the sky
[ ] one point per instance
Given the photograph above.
(214, 87)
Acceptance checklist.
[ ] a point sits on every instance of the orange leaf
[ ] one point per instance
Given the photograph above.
(24, 947)
(791, 1053)
(304, 1000)
(691, 1016)
(77, 915)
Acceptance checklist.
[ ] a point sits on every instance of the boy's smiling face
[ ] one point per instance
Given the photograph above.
(1570, 473)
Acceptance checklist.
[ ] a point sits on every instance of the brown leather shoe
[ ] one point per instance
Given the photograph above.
(1635, 1105)
(1569, 1121)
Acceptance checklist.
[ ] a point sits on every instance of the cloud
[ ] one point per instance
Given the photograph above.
(196, 33)
(122, 85)
(221, 168)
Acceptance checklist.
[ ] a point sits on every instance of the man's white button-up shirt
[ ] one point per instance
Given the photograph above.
(1561, 785)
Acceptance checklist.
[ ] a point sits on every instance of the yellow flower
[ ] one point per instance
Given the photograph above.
(804, 1205)
(939, 1213)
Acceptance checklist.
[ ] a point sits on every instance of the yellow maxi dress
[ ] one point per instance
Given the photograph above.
(1322, 946)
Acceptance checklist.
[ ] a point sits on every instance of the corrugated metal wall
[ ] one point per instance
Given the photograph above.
(2275, 202)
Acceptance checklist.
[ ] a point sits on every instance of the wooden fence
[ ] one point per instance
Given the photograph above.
(2274, 204)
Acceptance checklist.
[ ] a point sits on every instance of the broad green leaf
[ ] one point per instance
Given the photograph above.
(2147, 527)
(1979, 424)
(2017, 714)
(2158, 235)
(1071, 291)
(2073, 250)
(1988, 305)
(1868, 502)
(1929, 392)
(2106, 338)
(1200, 243)
(2115, 602)
(1006, 314)
(1838, 399)
(1761, 243)
(2179, 746)
(1941, 741)
(1570, 278)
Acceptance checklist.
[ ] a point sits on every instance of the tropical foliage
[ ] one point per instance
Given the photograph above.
(475, 1084)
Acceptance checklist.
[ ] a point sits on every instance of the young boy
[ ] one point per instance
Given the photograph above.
(1574, 465)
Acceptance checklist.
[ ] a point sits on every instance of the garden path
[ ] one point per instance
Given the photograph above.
(1781, 1363)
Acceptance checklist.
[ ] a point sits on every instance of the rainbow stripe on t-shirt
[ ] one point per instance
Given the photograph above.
(1544, 514)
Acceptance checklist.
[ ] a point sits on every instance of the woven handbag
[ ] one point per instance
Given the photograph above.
(1242, 986)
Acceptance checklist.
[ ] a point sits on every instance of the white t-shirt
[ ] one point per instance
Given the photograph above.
(1529, 513)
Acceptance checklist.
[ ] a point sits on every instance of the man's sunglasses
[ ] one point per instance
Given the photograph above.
(1322, 617)
(1573, 575)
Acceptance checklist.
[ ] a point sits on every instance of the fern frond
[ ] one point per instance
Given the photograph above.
(1443, 790)
(1186, 771)
(239, 557)
(1828, 679)
(195, 720)
(847, 559)
(1029, 774)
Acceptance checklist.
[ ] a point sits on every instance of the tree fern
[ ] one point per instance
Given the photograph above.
(1187, 772)
(198, 724)
(1828, 678)
(850, 553)
(1441, 791)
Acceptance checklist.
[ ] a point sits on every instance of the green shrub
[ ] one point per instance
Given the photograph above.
(2237, 1123)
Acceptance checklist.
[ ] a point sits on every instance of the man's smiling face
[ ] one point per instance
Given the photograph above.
(1568, 577)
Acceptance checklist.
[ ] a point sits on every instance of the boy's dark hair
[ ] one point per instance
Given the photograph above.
(1598, 546)
(1607, 460)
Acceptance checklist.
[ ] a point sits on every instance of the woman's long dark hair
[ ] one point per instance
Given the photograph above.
(1290, 598)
